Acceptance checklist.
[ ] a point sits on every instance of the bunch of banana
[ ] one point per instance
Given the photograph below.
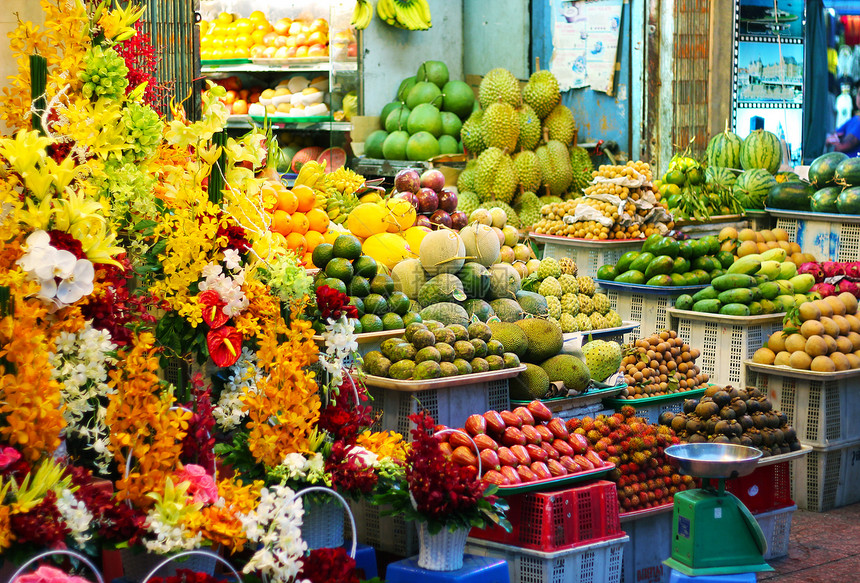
(408, 14)
(361, 14)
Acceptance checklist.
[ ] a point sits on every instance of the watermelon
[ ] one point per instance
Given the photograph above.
(848, 201)
(823, 168)
(848, 173)
(790, 196)
(720, 178)
(305, 155)
(724, 150)
(752, 188)
(285, 157)
(787, 177)
(824, 200)
(334, 158)
(761, 149)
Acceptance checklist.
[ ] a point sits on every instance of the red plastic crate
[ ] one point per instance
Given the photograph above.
(551, 521)
(767, 488)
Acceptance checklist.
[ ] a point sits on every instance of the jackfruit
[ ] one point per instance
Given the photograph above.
(499, 85)
(560, 124)
(545, 339)
(542, 92)
(500, 126)
(568, 369)
(495, 176)
(470, 133)
(555, 167)
(511, 336)
(532, 383)
(527, 169)
(527, 206)
(530, 128)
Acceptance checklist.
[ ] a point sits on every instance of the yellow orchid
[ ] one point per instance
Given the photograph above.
(117, 24)
(49, 476)
(174, 503)
(63, 173)
(39, 182)
(38, 216)
(77, 208)
(97, 242)
(24, 151)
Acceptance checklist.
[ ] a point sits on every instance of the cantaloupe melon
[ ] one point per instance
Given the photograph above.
(442, 251)
(401, 214)
(481, 242)
(367, 219)
(387, 249)
(409, 276)
(504, 281)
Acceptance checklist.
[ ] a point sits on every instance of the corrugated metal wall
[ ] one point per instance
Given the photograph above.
(691, 56)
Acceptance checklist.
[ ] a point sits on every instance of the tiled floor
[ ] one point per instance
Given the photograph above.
(824, 547)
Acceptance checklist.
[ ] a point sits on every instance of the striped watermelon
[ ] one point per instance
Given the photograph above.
(752, 188)
(719, 178)
(724, 150)
(848, 201)
(848, 172)
(761, 149)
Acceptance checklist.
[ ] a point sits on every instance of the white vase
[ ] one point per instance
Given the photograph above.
(442, 551)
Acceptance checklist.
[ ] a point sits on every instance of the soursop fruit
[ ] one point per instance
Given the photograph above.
(568, 266)
(500, 126)
(585, 306)
(499, 85)
(586, 285)
(583, 323)
(550, 287)
(600, 303)
(603, 358)
(495, 176)
(613, 319)
(548, 268)
(598, 322)
(553, 306)
(549, 198)
(568, 323)
(527, 170)
(555, 167)
(470, 133)
(542, 92)
(554, 321)
(570, 304)
(560, 125)
(568, 283)
(530, 128)
(467, 201)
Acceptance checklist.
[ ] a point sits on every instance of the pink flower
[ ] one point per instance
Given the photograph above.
(203, 488)
(46, 574)
(8, 456)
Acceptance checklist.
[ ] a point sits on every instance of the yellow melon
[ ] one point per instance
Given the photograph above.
(367, 219)
(387, 249)
(401, 215)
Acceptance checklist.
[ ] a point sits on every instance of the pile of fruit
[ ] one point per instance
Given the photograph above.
(296, 96)
(343, 267)
(730, 415)
(659, 365)
(693, 192)
(820, 335)
(618, 204)
(238, 98)
(643, 475)
(425, 119)
(572, 301)
(430, 350)
(520, 446)
(749, 242)
(834, 277)
(254, 37)
(435, 205)
(752, 285)
(664, 261)
(837, 178)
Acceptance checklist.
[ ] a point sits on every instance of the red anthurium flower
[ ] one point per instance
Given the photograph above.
(213, 309)
(225, 345)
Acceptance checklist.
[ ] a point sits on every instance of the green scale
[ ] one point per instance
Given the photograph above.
(713, 533)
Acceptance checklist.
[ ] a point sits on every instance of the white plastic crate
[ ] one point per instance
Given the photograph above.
(724, 342)
(651, 412)
(649, 310)
(776, 527)
(826, 240)
(390, 534)
(589, 256)
(449, 406)
(650, 544)
(597, 563)
(822, 412)
(827, 477)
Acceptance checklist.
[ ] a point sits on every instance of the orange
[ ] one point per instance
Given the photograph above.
(299, 223)
(306, 197)
(308, 260)
(282, 223)
(270, 197)
(318, 219)
(313, 239)
(297, 243)
(330, 236)
(287, 201)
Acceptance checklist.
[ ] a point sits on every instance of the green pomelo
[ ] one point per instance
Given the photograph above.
(433, 71)
(451, 124)
(373, 144)
(425, 118)
(458, 98)
(396, 120)
(423, 92)
(422, 146)
(394, 146)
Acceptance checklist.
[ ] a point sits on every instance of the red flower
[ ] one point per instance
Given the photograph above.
(225, 345)
(343, 418)
(198, 445)
(327, 565)
(348, 471)
(42, 524)
(213, 309)
(332, 304)
(187, 576)
(64, 241)
(116, 521)
(236, 238)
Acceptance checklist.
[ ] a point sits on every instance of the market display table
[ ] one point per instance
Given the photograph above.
(475, 569)
(367, 341)
(588, 254)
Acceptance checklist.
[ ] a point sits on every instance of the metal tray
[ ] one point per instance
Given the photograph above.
(369, 337)
(627, 326)
(411, 386)
(723, 319)
(290, 61)
(775, 459)
(658, 399)
(554, 402)
(224, 62)
(552, 483)
(654, 290)
(577, 242)
(787, 371)
(636, 514)
(811, 216)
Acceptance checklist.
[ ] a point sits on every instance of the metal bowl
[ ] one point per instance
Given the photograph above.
(713, 460)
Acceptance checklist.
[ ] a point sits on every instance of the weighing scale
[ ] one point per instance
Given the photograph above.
(713, 533)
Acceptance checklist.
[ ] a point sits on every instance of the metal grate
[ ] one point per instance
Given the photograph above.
(690, 75)
(849, 243)
(498, 395)
(789, 226)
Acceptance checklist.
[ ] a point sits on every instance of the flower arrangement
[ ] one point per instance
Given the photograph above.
(48, 574)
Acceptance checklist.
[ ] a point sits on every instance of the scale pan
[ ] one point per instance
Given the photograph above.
(713, 460)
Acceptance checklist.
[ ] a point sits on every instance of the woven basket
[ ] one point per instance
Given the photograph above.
(322, 524)
(442, 551)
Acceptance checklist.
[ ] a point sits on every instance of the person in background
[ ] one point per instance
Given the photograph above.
(847, 136)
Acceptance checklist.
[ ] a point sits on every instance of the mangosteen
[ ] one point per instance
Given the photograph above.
(764, 404)
(720, 439)
(705, 410)
(679, 423)
(712, 390)
(722, 398)
(727, 413)
(710, 425)
(735, 439)
(743, 395)
(746, 422)
(759, 420)
(695, 425)
(736, 428)
(754, 392)
(789, 433)
(697, 438)
(665, 418)
(772, 420)
(795, 446)
(752, 406)
(778, 436)
(721, 427)
(767, 436)
(690, 405)
(739, 407)
(733, 392)
(755, 437)
(745, 440)
(765, 451)
(783, 418)
(784, 448)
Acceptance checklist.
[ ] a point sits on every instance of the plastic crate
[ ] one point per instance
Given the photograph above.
(827, 240)
(822, 412)
(648, 309)
(390, 534)
(650, 544)
(550, 521)
(776, 527)
(589, 256)
(448, 406)
(723, 346)
(827, 478)
(764, 490)
(651, 411)
(595, 563)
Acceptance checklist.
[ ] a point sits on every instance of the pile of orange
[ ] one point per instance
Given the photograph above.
(295, 217)
(229, 37)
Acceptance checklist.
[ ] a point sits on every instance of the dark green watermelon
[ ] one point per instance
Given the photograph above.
(848, 201)
(823, 168)
(719, 178)
(848, 173)
(752, 188)
(824, 200)
(793, 196)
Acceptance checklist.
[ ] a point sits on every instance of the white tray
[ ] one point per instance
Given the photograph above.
(626, 326)
(442, 383)
(368, 337)
(596, 243)
(725, 319)
(787, 371)
(811, 216)
(784, 457)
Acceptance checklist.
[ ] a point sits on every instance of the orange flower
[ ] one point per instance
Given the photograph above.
(220, 523)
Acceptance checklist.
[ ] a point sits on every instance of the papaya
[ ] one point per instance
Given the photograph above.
(707, 306)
